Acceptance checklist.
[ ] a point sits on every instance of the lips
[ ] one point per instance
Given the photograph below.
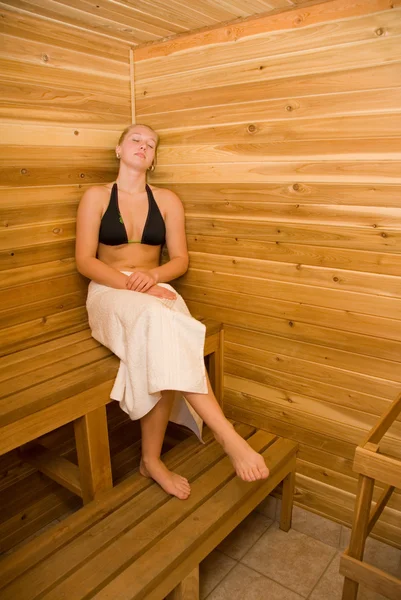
(140, 154)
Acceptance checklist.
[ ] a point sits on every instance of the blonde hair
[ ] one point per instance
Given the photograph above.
(128, 129)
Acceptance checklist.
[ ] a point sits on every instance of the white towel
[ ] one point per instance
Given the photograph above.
(160, 347)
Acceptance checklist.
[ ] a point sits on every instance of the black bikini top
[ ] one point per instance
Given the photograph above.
(112, 230)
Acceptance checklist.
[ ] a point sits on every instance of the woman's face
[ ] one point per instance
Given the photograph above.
(138, 148)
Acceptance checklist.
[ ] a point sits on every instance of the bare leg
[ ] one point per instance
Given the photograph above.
(248, 464)
(153, 427)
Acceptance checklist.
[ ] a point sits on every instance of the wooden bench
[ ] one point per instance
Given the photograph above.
(371, 465)
(137, 542)
(66, 380)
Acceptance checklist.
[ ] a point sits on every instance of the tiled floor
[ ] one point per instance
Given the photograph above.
(258, 561)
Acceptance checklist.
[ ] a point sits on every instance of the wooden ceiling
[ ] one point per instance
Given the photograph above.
(140, 21)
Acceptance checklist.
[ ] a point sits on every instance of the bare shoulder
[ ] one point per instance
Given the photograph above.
(168, 201)
(96, 195)
(164, 197)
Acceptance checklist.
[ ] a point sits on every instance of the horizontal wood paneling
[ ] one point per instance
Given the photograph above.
(284, 144)
(65, 99)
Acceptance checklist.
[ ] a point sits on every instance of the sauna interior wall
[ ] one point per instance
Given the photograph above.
(65, 97)
(283, 142)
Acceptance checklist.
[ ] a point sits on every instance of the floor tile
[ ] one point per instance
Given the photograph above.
(212, 570)
(243, 583)
(330, 587)
(316, 526)
(292, 559)
(245, 535)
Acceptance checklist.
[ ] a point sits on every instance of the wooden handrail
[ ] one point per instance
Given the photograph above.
(388, 418)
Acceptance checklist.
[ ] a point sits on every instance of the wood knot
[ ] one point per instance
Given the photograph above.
(82, 175)
(45, 58)
(24, 171)
(296, 187)
(335, 279)
(298, 267)
(290, 323)
(384, 235)
(57, 230)
(76, 132)
(379, 31)
(251, 128)
(289, 108)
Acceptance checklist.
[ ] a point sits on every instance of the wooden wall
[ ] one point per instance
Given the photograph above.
(283, 138)
(65, 98)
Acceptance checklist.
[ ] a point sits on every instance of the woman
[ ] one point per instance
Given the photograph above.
(121, 229)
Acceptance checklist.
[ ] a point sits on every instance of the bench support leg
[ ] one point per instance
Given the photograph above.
(92, 441)
(188, 589)
(359, 531)
(287, 500)
(216, 366)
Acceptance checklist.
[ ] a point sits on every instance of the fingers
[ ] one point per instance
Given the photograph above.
(140, 281)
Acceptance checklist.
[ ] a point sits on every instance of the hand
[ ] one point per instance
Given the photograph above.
(161, 292)
(141, 281)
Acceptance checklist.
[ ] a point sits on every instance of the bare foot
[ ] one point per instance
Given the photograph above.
(170, 482)
(248, 464)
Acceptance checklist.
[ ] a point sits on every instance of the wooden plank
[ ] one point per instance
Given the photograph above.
(372, 577)
(14, 237)
(93, 452)
(45, 368)
(287, 499)
(270, 194)
(375, 389)
(42, 310)
(81, 20)
(345, 171)
(270, 43)
(377, 466)
(265, 131)
(310, 333)
(103, 566)
(297, 309)
(28, 51)
(205, 527)
(331, 357)
(56, 467)
(50, 280)
(384, 423)
(294, 89)
(364, 54)
(60, 78)
(23, 403)
(129, 503)
(367, 149)
(343, 426)
(298, 273)
(290, 108)
(364, 261)
(33, 333)
(186, 154)
(49, 135)
(291, 19)
(188, 589)
(30, 26)
(36, 424)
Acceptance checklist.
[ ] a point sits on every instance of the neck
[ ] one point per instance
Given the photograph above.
(132, 182)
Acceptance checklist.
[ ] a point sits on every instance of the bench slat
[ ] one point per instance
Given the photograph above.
(140, 577)
(26, 402)
(132, 525)
(72, 358)
(89, 516)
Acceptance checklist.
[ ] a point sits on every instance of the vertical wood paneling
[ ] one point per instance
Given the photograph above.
(284, 145)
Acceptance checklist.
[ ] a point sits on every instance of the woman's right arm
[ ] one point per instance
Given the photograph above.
(87, 239)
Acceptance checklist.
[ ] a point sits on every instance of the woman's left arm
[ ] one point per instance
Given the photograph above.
(176, 241)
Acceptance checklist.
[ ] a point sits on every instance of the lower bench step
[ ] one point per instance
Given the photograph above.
(138, 542)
